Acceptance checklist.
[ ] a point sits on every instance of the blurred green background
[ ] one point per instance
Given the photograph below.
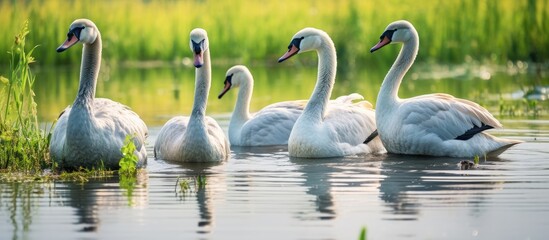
(257, 31)
(463, 43)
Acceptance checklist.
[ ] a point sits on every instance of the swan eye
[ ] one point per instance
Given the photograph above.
(388, 34)
(296, 42)
(75, 32)
(197, 47)
(229, 79)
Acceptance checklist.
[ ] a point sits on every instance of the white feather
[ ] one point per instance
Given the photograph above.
(197, 138)
(429, 124)
(328, 129)
(93, 130)
(269, 126)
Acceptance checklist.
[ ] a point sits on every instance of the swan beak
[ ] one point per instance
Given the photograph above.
(292, 51)
(384, 41)
(198, 59)
(71, 40)
(227, 87)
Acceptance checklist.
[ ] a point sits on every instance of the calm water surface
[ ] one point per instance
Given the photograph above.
(261, 193)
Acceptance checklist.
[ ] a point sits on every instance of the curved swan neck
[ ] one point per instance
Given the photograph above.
(391, 83)
(242, 107)
(202, 88)
(327, 66)
(89, 70)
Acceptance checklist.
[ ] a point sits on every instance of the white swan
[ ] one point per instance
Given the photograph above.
(269, 126)
(329, 130)
(94, 129)
(433, 124)
(197, 138)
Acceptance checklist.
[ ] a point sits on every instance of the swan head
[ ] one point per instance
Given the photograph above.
(199, 44)
(236, 76)
(81, 30)
(307, 39)
(397, 32)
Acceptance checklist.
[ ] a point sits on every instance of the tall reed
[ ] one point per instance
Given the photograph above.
(248, 31)
(23, 145)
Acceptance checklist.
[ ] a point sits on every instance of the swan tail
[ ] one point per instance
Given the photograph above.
(349, 98)
(506, 143)
(371, 137)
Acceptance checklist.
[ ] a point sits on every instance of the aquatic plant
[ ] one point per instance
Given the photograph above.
(84, 175)
(128, 162)
(476, 160)
(23, 145)
(128, 168)
(183, 185)
(363, 233)
(200, 181)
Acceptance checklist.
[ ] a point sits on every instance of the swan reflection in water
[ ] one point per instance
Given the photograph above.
(92, 198)
(311, 174)
(411, 183)
(201, 194)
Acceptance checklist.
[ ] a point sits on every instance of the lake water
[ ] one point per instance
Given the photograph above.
(261, 193)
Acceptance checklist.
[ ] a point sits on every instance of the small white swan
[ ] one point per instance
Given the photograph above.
(329, 130)
(433, 124)
(197, 138)
(93, 129)
(269, 126)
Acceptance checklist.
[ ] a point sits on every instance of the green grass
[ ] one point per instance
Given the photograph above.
(24, 152)
(246, 31)
(520, 108)
(23, 145)
(81, 175)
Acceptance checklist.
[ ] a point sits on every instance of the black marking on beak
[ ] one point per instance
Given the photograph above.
(293, 49)
(385, 38)
(197, 46)
(228, 83)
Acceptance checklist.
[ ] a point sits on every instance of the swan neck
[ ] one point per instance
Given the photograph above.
(393, 79)
(242, 107)
(202, 88)
(89, 71)
(327, 66)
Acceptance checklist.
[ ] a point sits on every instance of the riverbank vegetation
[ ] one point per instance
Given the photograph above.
(257, 31)
(23, 144)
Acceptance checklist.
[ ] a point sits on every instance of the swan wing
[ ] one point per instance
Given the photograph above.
(170, 137)
(112, 121)
(445, 116)
(289, 105)
(59, 135)
(273, 124)
(348, 98)
(118, 121)
(218, 139)
(350, 122)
